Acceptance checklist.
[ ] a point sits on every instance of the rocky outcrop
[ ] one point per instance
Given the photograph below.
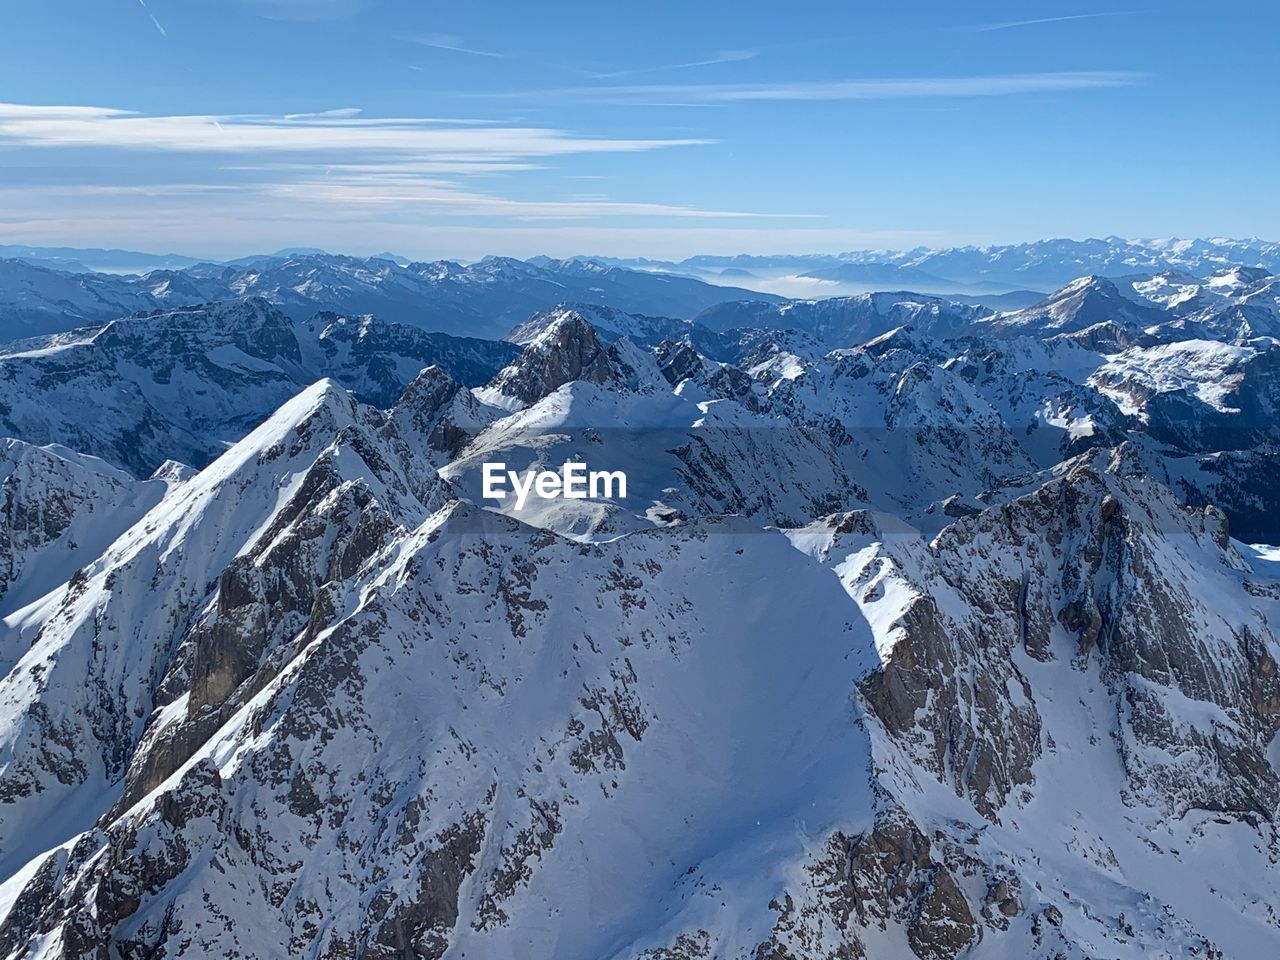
(1098, 558)
(567, 350)
(886, 878)
(57, 510)
(437, 416)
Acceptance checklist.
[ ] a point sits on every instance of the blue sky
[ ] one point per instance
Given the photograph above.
(222, 127)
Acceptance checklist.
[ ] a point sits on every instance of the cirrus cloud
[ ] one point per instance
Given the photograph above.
(338, 133)
(320, 167)
(868, 88)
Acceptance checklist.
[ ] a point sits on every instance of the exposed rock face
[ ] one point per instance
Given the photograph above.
(870, 882)
(1102, 556)
(376, 360)
(609, 325)
(678, 361)
(51, 499)
(437, 416)
(565, 351)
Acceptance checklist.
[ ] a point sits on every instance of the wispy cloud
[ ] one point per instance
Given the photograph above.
(333, 164)
(144, 6)
(726, 56)
(339, 113)
(887, 88)
(441, 197)
(1014, 24)
(447, 41)
(338, 136)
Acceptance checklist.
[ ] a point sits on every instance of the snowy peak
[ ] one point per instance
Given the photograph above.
(938, 644)
(567, 349)
(1238, 304)
(1084, 303)
(437, 416)
(610, 325)
(317, 488)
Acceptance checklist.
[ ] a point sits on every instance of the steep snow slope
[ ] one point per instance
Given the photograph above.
(96, 647)
(59, 510)
(1055, 663)
(537, 778)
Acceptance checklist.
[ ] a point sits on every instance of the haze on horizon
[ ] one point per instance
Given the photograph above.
(220, 129)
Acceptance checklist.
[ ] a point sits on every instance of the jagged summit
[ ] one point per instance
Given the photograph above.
(437, 416)
(610, 324)
(567, 349)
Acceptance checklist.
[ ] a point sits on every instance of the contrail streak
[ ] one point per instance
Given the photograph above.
(143, 4)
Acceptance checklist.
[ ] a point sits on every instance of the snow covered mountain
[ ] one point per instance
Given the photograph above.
(1051, 263)
(1084, 303)
(609, 323)
(917, 633)
(1234, 305)
(1039, 265)
(484, 299)
(847, 321)
(183, 384)
(36, 299)
(60, 509)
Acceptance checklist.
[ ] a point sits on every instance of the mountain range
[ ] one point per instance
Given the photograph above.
(45, 290)
(1041, 265)
(923, 629)
(484, 299)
